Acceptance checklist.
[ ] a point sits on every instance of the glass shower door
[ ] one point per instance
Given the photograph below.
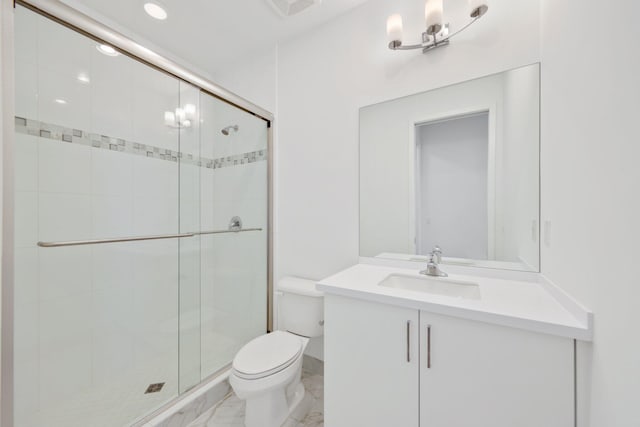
(234, 190)
(190, 257)
(141, 251)
(96, 326)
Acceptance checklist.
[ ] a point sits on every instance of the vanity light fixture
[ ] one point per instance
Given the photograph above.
(155, 10)
(437, 33)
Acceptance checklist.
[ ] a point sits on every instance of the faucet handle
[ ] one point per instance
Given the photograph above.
(432, 266)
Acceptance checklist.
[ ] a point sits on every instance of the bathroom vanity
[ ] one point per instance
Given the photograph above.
(449, 181)
(403, 349)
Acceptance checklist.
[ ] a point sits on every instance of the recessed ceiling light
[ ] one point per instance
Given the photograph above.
(83, 78)
(105, 49)
(155, 10)
(60, 101)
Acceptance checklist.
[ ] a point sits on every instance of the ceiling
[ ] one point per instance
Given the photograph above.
(212, 33)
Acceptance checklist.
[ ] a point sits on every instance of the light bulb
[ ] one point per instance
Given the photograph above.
(394, 28)
(433, 16)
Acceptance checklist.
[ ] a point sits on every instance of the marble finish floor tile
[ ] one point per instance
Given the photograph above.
(310, 413)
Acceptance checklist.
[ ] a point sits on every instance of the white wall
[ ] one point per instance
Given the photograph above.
(519, 163)
(590, 177)
(254, 77)
(386, 145)
(452, 177)
(325, 76)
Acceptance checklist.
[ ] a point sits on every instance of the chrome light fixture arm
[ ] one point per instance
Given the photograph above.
(431, 42)
(436, 34)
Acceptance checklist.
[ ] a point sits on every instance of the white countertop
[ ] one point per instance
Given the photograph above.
(520, 304)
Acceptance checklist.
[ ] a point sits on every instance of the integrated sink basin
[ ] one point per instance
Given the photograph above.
(433, 285)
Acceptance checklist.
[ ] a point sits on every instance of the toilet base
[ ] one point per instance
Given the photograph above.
(272, 409)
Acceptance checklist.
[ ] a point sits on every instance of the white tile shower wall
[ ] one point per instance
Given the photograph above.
(27, 315)
(97, 282)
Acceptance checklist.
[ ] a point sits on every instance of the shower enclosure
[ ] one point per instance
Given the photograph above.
(141, 227)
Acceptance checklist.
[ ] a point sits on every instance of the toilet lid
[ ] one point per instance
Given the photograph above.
(267, 355)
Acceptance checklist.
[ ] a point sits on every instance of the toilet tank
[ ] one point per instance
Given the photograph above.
(300, 307)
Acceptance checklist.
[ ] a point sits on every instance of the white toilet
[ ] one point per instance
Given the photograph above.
(266, 371)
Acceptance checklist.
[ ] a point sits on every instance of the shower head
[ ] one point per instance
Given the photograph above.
(226, 131)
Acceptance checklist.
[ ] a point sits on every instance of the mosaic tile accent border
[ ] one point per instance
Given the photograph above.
(76, 136)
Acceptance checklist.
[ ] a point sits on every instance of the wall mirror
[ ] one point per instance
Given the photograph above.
(455, 167)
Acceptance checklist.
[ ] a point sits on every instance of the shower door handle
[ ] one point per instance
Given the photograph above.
(115, 240)
(139, 238)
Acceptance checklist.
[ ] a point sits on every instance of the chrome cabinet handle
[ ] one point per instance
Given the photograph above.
(408, 341)
(428, 346)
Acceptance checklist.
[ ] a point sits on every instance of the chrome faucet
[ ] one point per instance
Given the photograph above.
(437, 251)
(433, 269)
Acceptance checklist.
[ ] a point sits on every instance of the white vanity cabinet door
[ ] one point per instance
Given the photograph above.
(370, 379)
(482, 375)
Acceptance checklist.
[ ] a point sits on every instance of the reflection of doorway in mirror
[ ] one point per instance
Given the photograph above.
(451, 182)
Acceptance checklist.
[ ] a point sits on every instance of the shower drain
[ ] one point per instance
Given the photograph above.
(154, 388)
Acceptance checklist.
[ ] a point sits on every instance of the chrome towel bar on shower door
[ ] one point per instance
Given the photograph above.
(139, 238)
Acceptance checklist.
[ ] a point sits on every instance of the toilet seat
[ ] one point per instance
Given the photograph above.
(267, 355)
